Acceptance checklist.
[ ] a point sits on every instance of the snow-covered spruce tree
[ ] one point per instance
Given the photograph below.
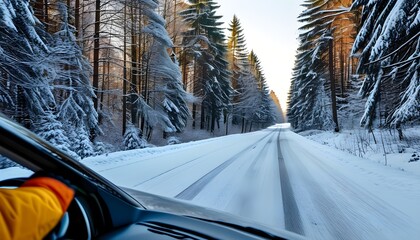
(307, 83)
(133, 138)
(278, 110)
(321, 63)
(22, 52)
(217, 88)
(169, 97)
(49, 128)
(310, 72)
(204, 44)
(388, 46)
(81, 143)
(265, 113)
(41, 75)
(249, 99)
(73, 91)
(25, 71)
(238, 62)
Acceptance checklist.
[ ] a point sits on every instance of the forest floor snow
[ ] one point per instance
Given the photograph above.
(388, 149)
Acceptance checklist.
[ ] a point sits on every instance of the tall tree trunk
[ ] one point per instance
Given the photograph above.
(213, 120)
(243, 123)
(45, 15)
(342, 70)
(69, 14)
(332, 82)
(145, 61)
(101, 99)
(38, 6)
(108, 66)
(134, 70)
(95, 82)
(77, 17)
(194, 109)
(226, 121)
(202, 120)
(124, 98)
(174, 23)
(184, 69)
(165, 9)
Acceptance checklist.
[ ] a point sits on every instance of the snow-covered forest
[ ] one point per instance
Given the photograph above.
(357, 65)
(94, 76)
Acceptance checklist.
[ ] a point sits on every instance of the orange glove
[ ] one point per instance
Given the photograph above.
(34, 209)
(63, 193)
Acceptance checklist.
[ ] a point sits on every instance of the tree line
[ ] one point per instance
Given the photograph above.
(68, 66)
(357, 60)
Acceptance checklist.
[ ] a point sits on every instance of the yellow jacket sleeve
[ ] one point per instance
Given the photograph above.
(34, 209)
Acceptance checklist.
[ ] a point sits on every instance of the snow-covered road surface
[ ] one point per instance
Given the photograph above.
(279, 179)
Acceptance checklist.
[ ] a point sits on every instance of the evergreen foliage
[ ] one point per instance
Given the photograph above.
(44, 77)
(311, 103)
(238, 62)
(50, 129)
(48, 84)
(205, 44)
(385, 49)
(171, 97)
(388, 46)
(133, 138)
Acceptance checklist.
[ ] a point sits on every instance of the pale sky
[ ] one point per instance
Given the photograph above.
(270, 28)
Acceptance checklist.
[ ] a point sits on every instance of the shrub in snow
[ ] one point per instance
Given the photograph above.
(51, 130)
(133, 138)
(173, 140)
(100, 148)
(82, 145)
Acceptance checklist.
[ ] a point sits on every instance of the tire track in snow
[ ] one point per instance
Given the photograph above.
(189, 162)
(334, 219)
(194, 189)
(293, 221)
(346, 222)
(246, 203)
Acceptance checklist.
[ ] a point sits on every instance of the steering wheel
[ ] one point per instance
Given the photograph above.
(59, 231)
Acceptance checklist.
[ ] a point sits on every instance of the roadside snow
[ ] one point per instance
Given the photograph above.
(390, 152)
(379, 202)
(14, 172)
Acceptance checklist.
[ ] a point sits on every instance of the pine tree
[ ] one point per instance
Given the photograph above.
(204, 43)
(22, 57)
(71, 71)
(264, 114)
(217, 89)
(388, 47)
(171, 98)
(82, 145)
(51, 130)
(133, 138)
(319, 62)
(238, 61)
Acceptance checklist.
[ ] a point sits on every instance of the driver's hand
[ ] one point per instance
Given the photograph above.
(61, 190)
(32, 210)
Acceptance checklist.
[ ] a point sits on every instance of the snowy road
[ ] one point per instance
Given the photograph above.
(279, 179)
